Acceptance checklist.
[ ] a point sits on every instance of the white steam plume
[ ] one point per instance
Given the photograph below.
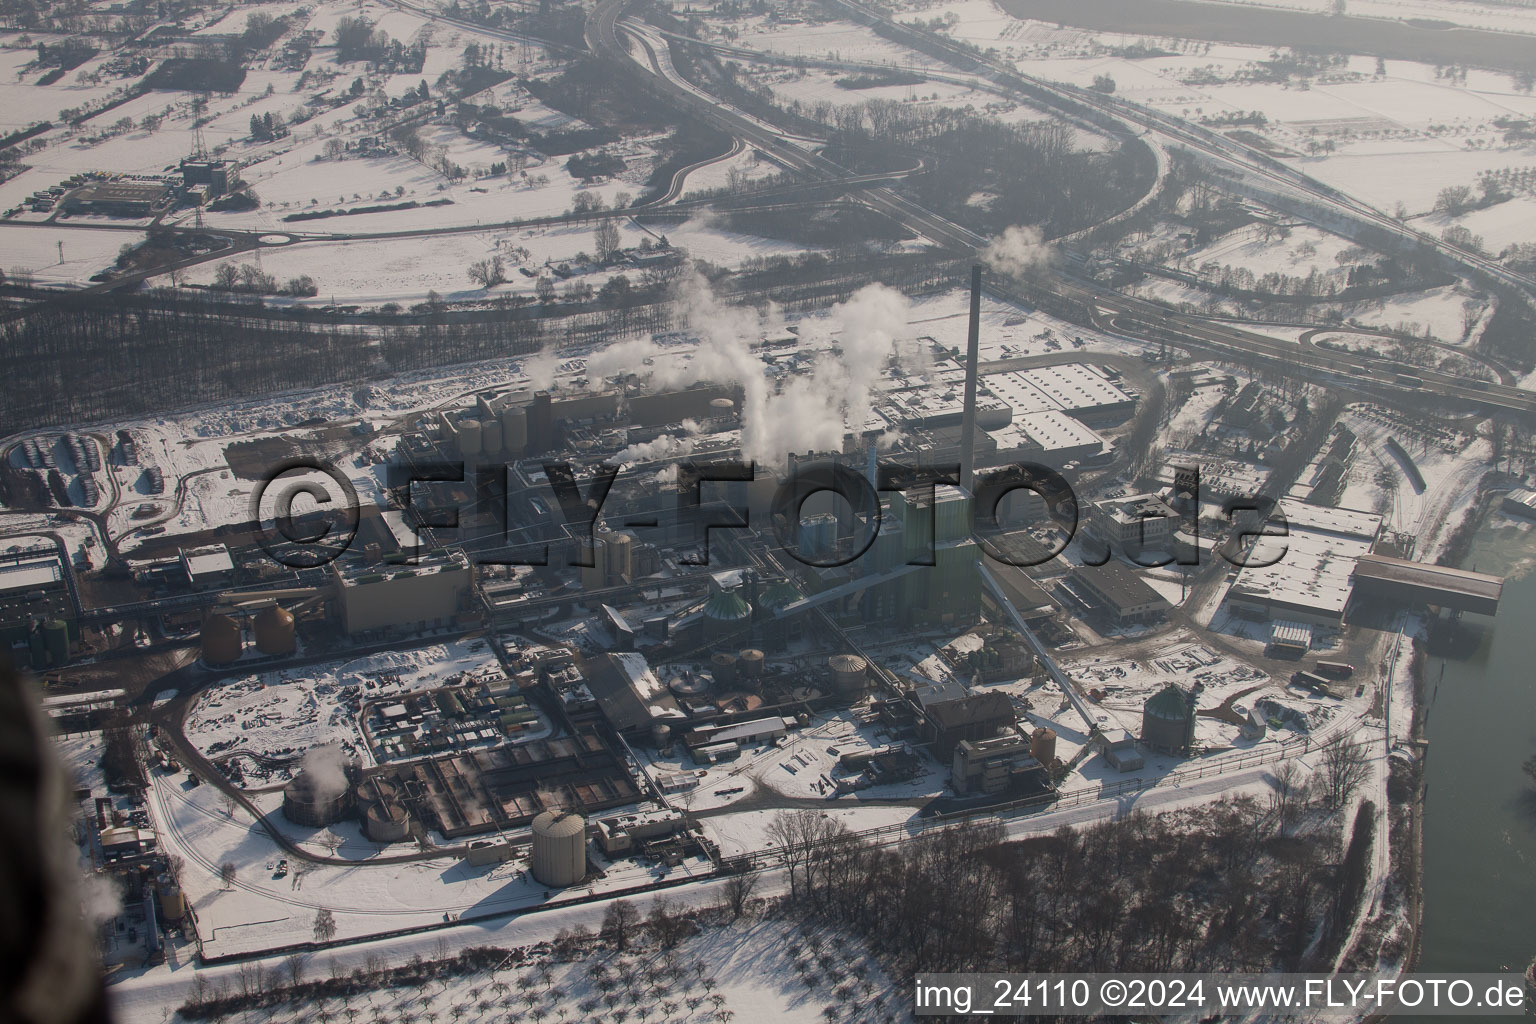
(100, 899)
(810, 411)
(541, 370)
(1017, 251)
(326, 768)
(664, 447)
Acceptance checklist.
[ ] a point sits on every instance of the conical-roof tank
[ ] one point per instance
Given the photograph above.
(724, 613)
(849, 672)
(274, 631)
(221, 641)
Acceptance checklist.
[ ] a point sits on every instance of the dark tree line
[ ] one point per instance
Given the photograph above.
(1220, 888)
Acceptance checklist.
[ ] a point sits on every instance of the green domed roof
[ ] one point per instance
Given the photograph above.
(778, 595)
(726, 604)
(1170, 702)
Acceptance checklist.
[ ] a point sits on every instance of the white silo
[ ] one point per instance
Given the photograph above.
(559, 848)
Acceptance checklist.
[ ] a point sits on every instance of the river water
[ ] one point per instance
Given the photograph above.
(1480, 812)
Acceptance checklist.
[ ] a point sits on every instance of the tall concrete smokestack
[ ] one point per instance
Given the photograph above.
(972, 356)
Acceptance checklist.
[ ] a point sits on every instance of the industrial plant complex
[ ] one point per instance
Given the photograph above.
(805, 471)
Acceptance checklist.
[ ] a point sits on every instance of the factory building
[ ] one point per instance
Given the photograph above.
(933, 532)
(709, 744)
(413, 598)
(982, 716)
(1076, 389)
(208, 567)
(640, 832)
(1119, 749)
(37, 610)
(119, 198)
(997, 764)
(1140, 522)
(214, 177)
(1311, 576)
(1119, 593)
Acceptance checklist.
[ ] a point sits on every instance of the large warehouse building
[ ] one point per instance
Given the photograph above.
(1313, 567)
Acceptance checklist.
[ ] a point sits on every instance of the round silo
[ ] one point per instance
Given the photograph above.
(470, 441)
(849, 672)
(386, 821)
(723, 667)
(221, 641)
(313, 801)
(559, 848)
(173, 905)
(749, 665)
(1042, 745)
(661, 736)
(274, 631)
(514, 431)
(621, 558)
(1168, 720)
(56, 640)
(490, 436)
(594, 576)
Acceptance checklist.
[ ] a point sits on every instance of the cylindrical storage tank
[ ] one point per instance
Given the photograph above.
(490, 436)
(56, 640)
(274, 631)
(689, 684)
(621, 557)
(470, 442)
(594, 576)
(37, 647)
(306, 803)
(749, 664)
(559, 848)
(1168, 720)
(661, 736)
(1042, 745)
(173, 905)
(723, 667)
(386, 821)
(849, 672)
(721, 406)
(514, 431)
(221, 641)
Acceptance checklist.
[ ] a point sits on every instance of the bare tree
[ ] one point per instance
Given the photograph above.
(606, 238)
(294, 965)
(1287, 788)
(1345, 767)
(619, 922)
(325, 925)
(738, 890)
(227, 873)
